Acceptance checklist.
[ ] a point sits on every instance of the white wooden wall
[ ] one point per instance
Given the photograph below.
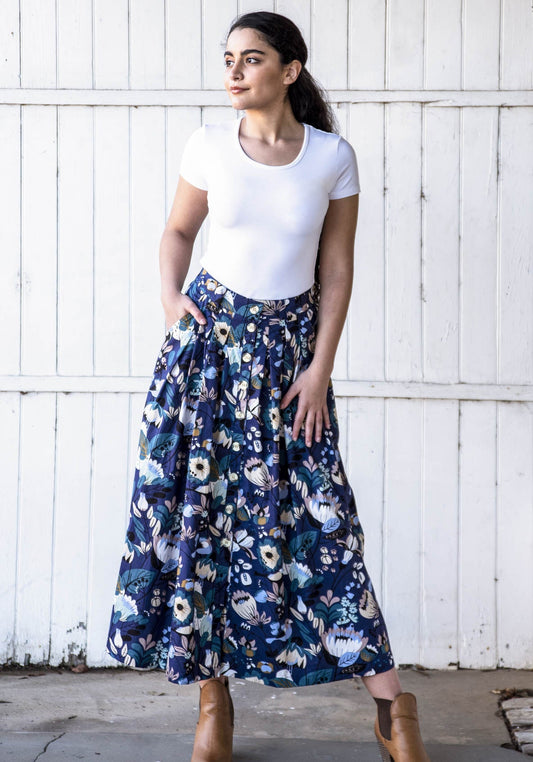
(434, 373)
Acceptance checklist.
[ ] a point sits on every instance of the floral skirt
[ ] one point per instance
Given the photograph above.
(244, 552)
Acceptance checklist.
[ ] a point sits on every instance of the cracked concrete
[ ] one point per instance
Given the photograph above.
(121, 714)
(47, 745)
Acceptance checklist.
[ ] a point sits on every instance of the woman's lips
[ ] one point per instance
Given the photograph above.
(238, 89)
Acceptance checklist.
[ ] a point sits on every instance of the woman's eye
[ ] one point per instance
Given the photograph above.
(227, 61)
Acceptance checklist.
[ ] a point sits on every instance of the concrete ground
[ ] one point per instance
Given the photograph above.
(115, 715)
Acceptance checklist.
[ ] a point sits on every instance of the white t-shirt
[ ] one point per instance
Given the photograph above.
(265, 221)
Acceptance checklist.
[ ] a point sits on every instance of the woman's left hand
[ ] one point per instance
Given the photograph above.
(311, 385)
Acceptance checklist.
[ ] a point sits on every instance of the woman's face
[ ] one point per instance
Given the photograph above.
(254, 66)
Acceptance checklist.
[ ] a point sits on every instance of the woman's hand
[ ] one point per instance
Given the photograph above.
(178, 306)
(311, 385)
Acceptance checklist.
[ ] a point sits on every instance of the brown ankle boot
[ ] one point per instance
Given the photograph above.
(405, 744)
(214, 730)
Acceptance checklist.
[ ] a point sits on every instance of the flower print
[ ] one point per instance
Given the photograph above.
(275, 418)
(299, 572)
(368, 606)
(166, 548)
(337, 473)
(182, 609)
(221, 330)
(140, 505)
(329, 599)
(261, 514)
(153, 413)
(348, 610)
(205, 625)
(324, 508)
(269, 554)
(241, 560)
(242, 540)
(206, 569)
(292, 655)
(249, 646)
(125, 606)
(286, 516)
(244, 604)
(151, 470)
(346, 643)
(199, 467)
(257, 472)
(254, 407)
(265, 666)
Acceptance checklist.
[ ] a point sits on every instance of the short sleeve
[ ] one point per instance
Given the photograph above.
(347, 182)
(192, 160)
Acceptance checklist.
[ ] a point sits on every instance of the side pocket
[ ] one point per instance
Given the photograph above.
(182, 324)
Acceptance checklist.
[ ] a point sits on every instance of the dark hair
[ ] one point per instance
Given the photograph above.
(307, 98)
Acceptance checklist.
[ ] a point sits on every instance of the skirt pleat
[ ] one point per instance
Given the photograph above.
(244, 551)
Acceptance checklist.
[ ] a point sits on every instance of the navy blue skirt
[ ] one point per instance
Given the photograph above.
(244, 551)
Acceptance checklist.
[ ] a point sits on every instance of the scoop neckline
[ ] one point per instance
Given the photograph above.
(245, 156)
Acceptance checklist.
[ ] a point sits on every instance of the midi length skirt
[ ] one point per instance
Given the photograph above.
(244, 551)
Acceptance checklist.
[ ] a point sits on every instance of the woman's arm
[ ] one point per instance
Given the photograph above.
(336, 277)
(189, 210)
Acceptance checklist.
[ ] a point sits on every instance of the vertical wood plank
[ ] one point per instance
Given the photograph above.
(366, 317)
(477, 533)
(10, 238)
(39, 239)
(365, 469)
(439, 541)
(74, 43)
(35, 528)
(402, 526)
(146, 44)
(402, 241)
(479, 245)
(183, 35)
(111, 51)
(516, 247)
(516, 50)
(443, 45)
(75, 241)
(146, 226)
(68, 631)
(9, 456)
(247, 6)
(111, 241)
(38, 49)
(481, 44)
(366, 44)
(107, 525)
(440, 245)
(514, 535)
(405, 45)
(10, 45)
(329, 32)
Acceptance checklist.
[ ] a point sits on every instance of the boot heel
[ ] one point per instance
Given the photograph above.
(385, 755)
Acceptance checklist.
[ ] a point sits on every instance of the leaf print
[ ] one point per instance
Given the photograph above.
(304, 544)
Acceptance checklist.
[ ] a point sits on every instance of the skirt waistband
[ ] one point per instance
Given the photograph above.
(209, 292)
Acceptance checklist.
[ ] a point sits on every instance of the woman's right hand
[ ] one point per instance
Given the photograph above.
(177, 307)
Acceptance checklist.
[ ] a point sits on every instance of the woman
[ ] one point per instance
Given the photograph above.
(244, 552)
